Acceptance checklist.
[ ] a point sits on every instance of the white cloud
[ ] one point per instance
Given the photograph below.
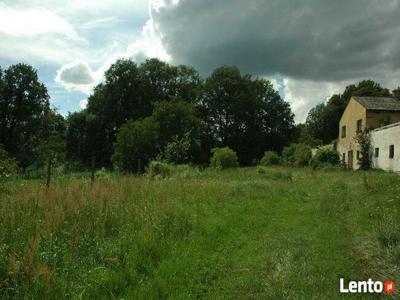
(83, 103)
(149, 45)
(32, 22)
(76, 76)
(305, 94)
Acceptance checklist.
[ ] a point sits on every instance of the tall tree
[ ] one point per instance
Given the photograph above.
(178, 120)
(24, 103)
(246, 115)
(83, 138)
(130, 92)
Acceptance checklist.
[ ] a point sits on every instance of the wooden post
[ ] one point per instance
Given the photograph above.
(48, 172)
(92, 178)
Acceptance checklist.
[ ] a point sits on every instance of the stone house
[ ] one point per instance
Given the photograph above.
(373, 113)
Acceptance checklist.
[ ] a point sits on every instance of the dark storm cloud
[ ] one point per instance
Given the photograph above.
(303, 39)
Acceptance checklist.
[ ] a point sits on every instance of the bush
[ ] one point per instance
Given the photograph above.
(325, 158)
(137, 144)
(178, 150)
(223, 158)
(8, 165)
(297, 155)
(158, 168)
(270, 158)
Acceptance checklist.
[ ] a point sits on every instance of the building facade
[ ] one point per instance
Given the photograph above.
(364, 113)
(385, 142)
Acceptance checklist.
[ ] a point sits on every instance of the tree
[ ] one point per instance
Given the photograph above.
(130, 92)
(178, 119)
(137, 144)
(83, 138)
(244, 114)
(24, 103)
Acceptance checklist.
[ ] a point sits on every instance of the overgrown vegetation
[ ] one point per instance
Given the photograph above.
(363, 139)
(269, 234)
(325, 157)
(297, 155)
(270, 158)
(223, 158)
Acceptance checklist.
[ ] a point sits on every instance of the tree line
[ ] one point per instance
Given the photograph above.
(157, 110)
(140, 112)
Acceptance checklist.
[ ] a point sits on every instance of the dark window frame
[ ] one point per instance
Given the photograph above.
(376, 152)
(343, 131)
(359, 125)
(391, 151)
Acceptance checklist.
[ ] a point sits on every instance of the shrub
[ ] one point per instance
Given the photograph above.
(325, 158)
(137, 144)
(178, 150)
(297, 155)
(158, 168)
(223, 158)
(364, 141)
(270, 158)
(8, 165)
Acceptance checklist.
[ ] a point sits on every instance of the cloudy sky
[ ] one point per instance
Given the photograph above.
(309, 49)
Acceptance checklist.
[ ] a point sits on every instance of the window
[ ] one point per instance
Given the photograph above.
(359, 125)
(391, 151)
(344, 157)
(376, 152)
(343, 131)
(358, 155)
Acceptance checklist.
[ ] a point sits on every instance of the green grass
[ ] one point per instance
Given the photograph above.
(237, 234)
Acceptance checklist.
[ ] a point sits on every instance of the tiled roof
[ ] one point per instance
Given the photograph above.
(379, 103)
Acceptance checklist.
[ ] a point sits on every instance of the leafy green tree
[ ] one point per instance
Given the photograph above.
(178, 121)
(24, 103)
(244, 114)
(137, 144)
(83, 138)
(130, 92)
(178, 149)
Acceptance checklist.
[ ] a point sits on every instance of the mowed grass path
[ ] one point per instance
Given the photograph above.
(237, 234)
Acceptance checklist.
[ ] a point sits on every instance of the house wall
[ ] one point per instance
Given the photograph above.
(382, 138)
(353, 112)
(377, 119)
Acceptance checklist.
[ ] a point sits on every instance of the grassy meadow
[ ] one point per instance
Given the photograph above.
(269, 233)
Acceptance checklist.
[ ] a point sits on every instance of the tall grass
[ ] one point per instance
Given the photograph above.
(210, 234)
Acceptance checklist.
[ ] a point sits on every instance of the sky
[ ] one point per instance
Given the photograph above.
(309, 49)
